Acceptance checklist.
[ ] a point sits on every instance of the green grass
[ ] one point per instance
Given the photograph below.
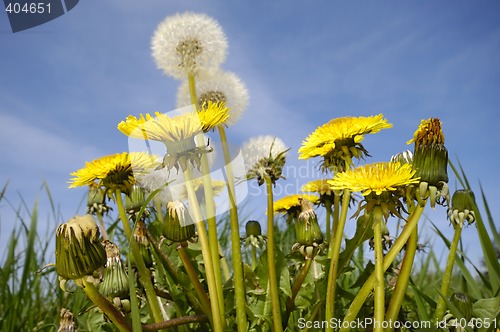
(31, 299)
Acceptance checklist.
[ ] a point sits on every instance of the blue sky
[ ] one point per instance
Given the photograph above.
(66, 84)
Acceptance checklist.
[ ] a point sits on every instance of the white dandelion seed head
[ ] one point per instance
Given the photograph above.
(258, 148)
(185, 43)
(217, 86)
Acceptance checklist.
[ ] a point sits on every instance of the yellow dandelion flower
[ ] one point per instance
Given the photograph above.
(291, 203)
(429, 132)
(114, 171)
(377, 177)
(321, 186)
(177, 132)
(339, 140)
(430, 160)
(164, 128)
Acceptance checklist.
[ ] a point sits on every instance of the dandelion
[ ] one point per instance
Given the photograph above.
(264, 157)
(177, 132)
(178, 225)
(291, 206)
(379, 184)
(376, 177)
(115, 279)
(217, 87)
(462, 208)
(309, 236)
(430, 160)
(79, 251)
(185, 43)
(339, 140)
(115, 171)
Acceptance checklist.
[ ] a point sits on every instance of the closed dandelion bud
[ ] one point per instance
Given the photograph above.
(308, 232)
(135, 199)
(253, 227)
(140, 237)
(115, 279)
(463, 303)
(79, 251)
(254, 235)
(96, 202)
(462, 207)
(178, 225)
(430, 160)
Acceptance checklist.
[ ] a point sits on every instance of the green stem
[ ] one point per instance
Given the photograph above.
(118, 319)
(144, 272)
(104, 232)
(379, 302)
(205, 250)
(239, 281)
(335, 225)
(328, 208)
(271, 262)
(403, 278)
(213, 239)
(332, 274)
(254, 257)
(391, 255)
(193, 276)
(297, 284)
(441, 305)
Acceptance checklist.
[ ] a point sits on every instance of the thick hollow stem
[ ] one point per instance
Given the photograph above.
(213, 239)
(239, 282)
(144, 273)
(290, 303)
(332, 274)
(271, 262)
(441, 305)
(391, 255)
(193, 276)
(403, 278)
(118, 319)
(379, 303)
(205, 250)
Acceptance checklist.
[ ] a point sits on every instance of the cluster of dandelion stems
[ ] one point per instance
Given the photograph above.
(398, 188)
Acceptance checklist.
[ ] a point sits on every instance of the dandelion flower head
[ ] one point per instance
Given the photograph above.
(376, 177)
(117, 171)
(217, 86)
(339, 140)
(184, 43)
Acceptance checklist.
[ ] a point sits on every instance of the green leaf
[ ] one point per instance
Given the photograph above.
(486, 308)
(364, 231)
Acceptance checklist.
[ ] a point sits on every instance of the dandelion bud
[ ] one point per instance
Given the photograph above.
(309, 236)
(463, 304)
(135, 199)
(462, 207)
(254, 235)
(67, 323)
(253, 227)
(178, 225)
(79, 251)
(430, 160)
(96, 202)
(115, 279)
(140, 237)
